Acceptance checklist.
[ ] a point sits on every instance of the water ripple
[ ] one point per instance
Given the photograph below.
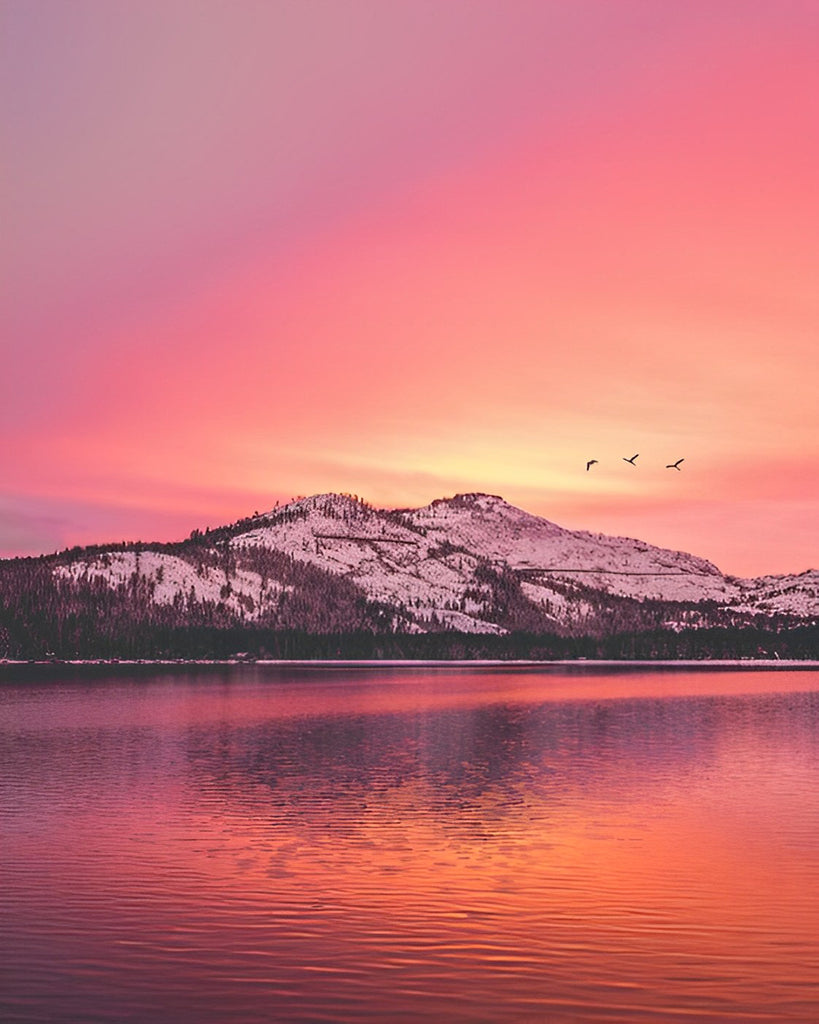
(431, 847)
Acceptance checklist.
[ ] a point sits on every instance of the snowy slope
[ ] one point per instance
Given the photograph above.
(526, 542)
(389, 561)
(789, 594)
(170, 577)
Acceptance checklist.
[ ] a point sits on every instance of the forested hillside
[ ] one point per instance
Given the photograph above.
(329, 576)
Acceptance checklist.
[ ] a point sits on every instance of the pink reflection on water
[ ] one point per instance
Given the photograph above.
(259, 693)
(426, 846)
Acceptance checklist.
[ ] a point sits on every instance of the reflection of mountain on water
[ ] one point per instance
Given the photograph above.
(460, 770)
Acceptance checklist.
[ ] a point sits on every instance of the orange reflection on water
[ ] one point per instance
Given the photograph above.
(458, 846)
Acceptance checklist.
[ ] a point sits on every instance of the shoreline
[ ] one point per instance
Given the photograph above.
(747, 663)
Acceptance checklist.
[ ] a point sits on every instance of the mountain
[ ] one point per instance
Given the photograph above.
(331, 564)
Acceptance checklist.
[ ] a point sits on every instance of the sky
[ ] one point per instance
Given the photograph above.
(411, 248)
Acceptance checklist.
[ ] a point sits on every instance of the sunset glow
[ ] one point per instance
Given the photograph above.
(409, 249)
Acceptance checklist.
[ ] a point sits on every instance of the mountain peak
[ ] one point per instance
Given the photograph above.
(471, 500)
(478, 498)
(327, 502)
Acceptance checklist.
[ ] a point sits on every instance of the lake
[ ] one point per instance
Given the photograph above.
(364, 844)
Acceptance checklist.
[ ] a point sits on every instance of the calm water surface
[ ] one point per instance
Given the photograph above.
(264, 844)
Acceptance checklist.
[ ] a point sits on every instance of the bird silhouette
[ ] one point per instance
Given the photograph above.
(676, 465)
(631, 460)
(590, 463)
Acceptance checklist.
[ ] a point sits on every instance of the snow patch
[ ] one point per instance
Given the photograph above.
(171, 577)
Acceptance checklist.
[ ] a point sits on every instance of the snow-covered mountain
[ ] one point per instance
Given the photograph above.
(471, 563)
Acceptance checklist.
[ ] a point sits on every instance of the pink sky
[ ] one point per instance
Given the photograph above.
(410, 248)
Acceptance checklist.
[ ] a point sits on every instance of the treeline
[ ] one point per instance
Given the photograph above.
(157, 641)
(799, 643)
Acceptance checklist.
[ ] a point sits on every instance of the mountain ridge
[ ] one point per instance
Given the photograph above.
(330, 563)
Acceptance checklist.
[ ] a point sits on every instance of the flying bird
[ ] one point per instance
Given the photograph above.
(676, 465)
(590, 463)
(631, 460)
